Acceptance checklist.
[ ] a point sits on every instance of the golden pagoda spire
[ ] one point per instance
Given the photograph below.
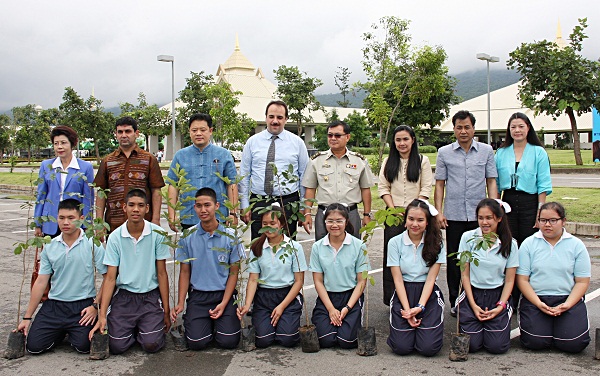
(560, 42)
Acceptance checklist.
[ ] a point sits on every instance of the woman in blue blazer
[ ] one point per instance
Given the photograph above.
(60, 178)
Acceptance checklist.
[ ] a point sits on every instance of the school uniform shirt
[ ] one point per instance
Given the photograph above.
(276, 269)
(136, 258)
(72, 268)
(403, 253)
(552, 269)
(491, 271)
(209, 257)
(339, 268)
(532, 175)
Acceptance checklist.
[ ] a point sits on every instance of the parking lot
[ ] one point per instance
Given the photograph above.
(278, 360)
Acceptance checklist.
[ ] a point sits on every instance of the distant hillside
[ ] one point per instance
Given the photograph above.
(468, 85)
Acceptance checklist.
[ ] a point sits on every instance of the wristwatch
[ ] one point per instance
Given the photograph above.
(367, 214)
(95, 305)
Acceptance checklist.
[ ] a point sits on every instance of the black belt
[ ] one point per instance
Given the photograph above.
(350, 207)
(272, 198)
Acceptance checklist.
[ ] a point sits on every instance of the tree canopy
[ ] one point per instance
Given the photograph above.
(558, 80)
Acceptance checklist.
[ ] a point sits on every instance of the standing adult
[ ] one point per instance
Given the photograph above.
(202, 161)
(464, 169)
(337, 175)
(404, 176)
(259, 184)
(523, 175)
(60, 178)
(126, 168)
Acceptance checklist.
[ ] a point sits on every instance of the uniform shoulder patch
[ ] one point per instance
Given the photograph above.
(317, 154)
(357, 154)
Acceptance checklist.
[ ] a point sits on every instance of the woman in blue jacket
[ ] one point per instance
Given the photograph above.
(523, 175)
(60, 178)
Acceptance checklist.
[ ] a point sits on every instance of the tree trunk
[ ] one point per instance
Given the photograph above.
(576, 142)
(299, 128)
(29, 155)
(97, 151)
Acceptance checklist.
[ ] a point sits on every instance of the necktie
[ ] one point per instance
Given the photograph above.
(269, 167)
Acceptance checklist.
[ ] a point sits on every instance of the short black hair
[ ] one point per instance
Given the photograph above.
(200, 117)
(127, 120)
(339, 122)
(137, 192)
(462, 115)
(70, 204)
(277, 103)
(206, 191)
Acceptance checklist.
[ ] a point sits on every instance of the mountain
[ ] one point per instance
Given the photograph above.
(469, 85)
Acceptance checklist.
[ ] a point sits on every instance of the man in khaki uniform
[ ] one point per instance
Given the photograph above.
(337, 175)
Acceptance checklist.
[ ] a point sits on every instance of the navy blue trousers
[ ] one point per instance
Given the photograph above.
(286, 331)
(346, 336)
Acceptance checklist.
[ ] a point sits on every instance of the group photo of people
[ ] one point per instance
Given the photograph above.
(530, 266)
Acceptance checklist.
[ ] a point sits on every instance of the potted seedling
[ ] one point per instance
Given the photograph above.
(459, 342)
(367, 341)
(16, 340)
(182, 184)
(309, 338)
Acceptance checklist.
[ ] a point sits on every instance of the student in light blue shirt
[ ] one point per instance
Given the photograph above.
(135, 256)
(553, 275)
(486, 306)
(202, 161)
(277, 266)
(337, 262)
(417, 306)
(209, 265)
(68, 262)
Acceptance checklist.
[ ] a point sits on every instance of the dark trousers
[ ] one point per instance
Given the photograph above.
(388, 282)
(319, 223)
(54, 320)
(199, 326)
(427, 338)
(346, 336)
(134, 316)
(286, 331)
(292, 221)
(454, 232)
(494, 334)
(569, 332)
(521, 219)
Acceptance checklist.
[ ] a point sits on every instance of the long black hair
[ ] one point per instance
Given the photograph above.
(392, 166)
(503, 229)
(432, 245)
(343, 210)
(532, 137)
(257, 245)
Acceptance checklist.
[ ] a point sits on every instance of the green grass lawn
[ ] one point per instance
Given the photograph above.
(581, 204)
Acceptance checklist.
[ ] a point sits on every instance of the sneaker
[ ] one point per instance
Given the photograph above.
(453, 311)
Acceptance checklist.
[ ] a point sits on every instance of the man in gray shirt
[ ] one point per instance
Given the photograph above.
(463, 171)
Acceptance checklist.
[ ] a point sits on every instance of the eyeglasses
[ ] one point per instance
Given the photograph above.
(336, 135)
(335, 221)
(552, 221)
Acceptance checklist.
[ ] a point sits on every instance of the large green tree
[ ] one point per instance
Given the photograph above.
(32, 133)
(405, 85)
(297, 90)
(231, 128)
(342, 81)
(4, 135)
(152, 120)
(558, 80)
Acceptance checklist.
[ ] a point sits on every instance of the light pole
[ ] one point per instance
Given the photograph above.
(489, 59)
(171, 59)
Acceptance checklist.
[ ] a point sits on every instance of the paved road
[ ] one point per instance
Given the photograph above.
(576, 180)
(277, 360)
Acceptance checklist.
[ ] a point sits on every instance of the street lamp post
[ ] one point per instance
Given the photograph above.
(171, 59)
(489, 59)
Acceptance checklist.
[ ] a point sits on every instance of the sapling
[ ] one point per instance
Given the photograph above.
(16, 340)
(459, 348)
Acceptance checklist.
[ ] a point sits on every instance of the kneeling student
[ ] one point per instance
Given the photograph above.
(70, 309)
(135, 256)
(208, 275)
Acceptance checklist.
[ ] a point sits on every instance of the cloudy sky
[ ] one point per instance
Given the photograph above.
(111, 46)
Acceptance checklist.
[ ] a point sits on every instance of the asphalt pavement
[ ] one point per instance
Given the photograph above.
(278, 360)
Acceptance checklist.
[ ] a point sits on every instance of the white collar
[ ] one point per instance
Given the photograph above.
(347, 239)
(284, 241)
(497, 243)
(565, 235)
(146, 231)
(407, 241)
(58, 164)
(77, 241)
